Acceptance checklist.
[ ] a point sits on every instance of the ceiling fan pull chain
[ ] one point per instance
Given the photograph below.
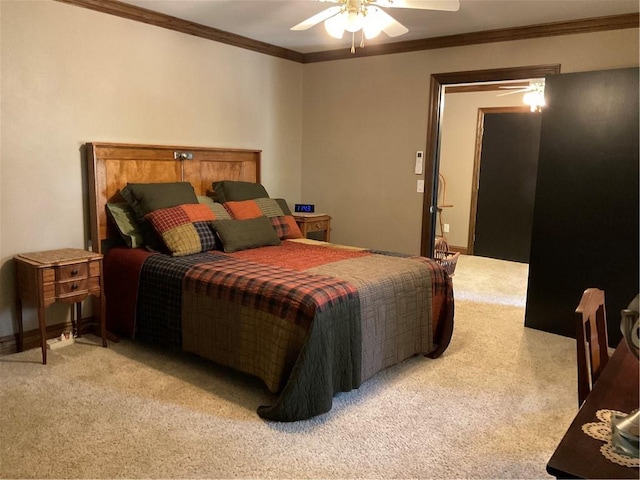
(362, 40)
(353, 39)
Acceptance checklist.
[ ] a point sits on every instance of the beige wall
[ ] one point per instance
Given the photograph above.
(364, 119)
(72, 75)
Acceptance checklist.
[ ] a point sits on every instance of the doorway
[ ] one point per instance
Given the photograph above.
(503, 185)
(438, 82)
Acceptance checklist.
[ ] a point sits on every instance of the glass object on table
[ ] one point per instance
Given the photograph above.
(625, 429)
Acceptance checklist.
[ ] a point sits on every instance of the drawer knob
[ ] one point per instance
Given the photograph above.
(74, 272)
(74, 286)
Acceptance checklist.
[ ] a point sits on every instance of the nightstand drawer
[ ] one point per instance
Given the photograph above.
(67, 272)
(318, 226)
(73, 287)
(314, 223)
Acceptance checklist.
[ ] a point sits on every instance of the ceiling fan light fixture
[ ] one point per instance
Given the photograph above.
(335, 26)
(535, 97)
(354, 21)
(371, 31)
(374, 23)
(535, 100)
(369, 17)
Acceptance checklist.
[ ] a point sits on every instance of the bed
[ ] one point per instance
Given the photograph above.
(309, 318)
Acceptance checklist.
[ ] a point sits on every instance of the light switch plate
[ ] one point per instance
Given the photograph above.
(420, 187)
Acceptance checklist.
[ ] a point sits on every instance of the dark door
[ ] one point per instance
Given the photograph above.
(507, 185)
(585, 224)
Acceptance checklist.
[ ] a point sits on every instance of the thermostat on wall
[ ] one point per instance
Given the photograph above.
(304, 208)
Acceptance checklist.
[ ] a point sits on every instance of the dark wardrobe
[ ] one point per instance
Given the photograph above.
(586, 214)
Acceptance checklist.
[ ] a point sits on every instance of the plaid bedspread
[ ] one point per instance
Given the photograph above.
(308, 322)
(159, 304)
(288, 294)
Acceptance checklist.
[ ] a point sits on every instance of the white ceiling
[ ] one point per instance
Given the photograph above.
(270, 20)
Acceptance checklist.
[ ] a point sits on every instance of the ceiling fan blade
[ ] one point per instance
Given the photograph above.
(444, 5)
(390, 25)
(510, 92)
(317, 18)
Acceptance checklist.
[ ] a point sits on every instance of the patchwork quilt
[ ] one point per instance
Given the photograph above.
(308, 318)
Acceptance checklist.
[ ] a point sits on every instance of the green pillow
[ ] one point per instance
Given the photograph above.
(125, 221)
(236, 191)
(238, 235)
(144, 198)
(284, 206)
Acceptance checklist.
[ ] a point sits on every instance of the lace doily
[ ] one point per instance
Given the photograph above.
(602, 431)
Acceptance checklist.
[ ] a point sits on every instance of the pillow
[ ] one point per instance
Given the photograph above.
(284, 206)
(244, 210)
(144, 198)
(184, 229)
(235, 191)
(284, 225)
(218, 209)
(238, 235)
(125, 221)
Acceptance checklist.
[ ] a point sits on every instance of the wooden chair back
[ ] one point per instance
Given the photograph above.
(591, 340)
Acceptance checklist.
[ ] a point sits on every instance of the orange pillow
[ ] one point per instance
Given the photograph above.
(284, 225)
(243, 210)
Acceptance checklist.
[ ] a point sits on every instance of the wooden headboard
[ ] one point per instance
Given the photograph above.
(112, 165)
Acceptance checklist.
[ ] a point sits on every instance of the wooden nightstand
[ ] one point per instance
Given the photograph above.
(67, 275)
(312, 222)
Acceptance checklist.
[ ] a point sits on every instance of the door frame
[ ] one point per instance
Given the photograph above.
(434, 127)
(477, 160)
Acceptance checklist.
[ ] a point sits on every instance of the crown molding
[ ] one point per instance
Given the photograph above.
(599, 24)
(131, 12)
(138, 14)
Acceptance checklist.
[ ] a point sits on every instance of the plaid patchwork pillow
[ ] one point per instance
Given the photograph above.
(218, 209)
(185, 229)
(284, 225)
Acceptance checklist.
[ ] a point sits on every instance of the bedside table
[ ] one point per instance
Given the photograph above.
(312, 222)
(67, 275)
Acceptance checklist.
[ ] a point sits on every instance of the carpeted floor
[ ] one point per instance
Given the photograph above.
(495, 405)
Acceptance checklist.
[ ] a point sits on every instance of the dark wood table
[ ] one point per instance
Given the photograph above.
(578, 455)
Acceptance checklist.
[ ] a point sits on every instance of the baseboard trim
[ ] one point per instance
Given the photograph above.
(462, 250)
(9, 343)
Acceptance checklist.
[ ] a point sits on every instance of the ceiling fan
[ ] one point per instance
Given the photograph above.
(369, 16)
(533, 94)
